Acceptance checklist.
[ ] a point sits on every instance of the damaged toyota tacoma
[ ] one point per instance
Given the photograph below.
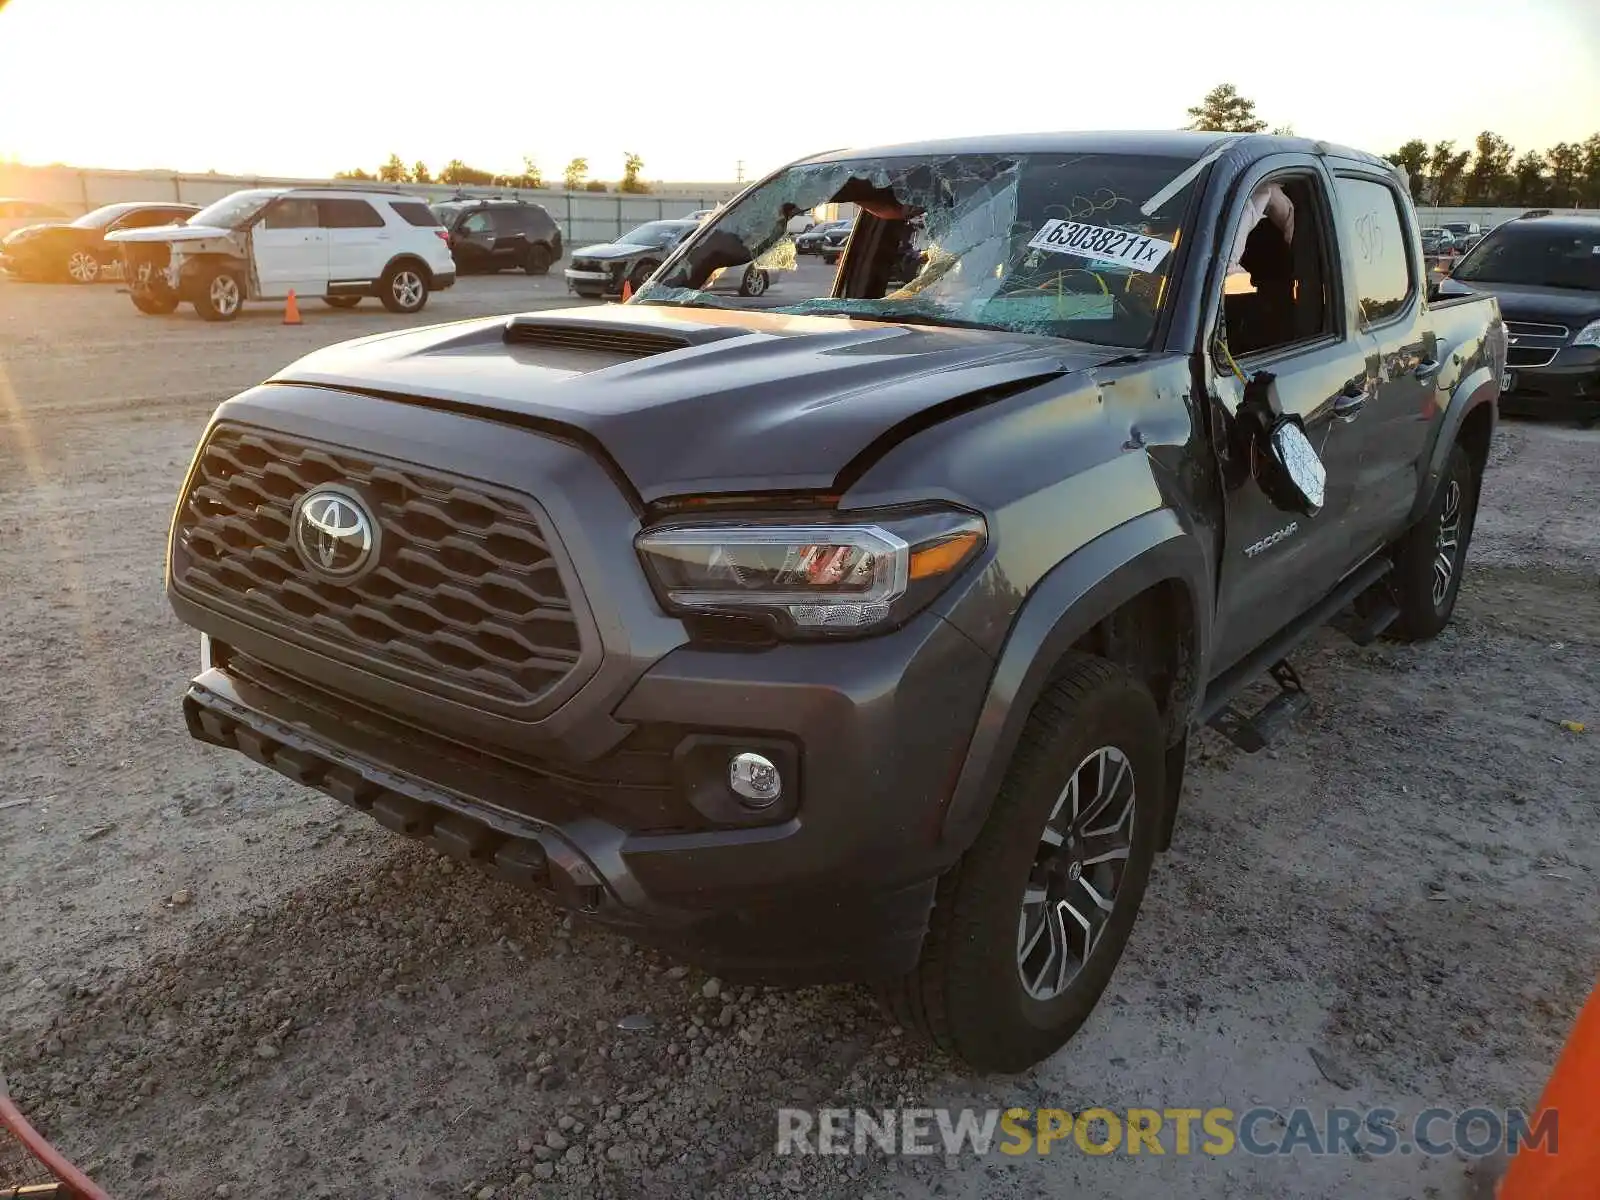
(858, 635)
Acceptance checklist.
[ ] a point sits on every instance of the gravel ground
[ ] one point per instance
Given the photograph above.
(195, 954)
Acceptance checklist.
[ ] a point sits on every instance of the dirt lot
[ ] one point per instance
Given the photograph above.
(212, 983)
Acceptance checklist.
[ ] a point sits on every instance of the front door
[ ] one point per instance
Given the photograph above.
(291, 249)
(1281, 315)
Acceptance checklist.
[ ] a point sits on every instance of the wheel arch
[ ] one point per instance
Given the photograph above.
(407, 258)
(1138, 595)
(1469, 419)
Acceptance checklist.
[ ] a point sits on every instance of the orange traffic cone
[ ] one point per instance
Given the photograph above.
(291, 310)
(627, 290)
(1571, 1100)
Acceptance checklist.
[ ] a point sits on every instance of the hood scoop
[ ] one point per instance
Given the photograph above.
(601, 337)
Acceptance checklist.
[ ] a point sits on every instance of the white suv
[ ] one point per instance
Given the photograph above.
(261, 244)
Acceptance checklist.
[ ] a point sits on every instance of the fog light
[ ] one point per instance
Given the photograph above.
(754, 779)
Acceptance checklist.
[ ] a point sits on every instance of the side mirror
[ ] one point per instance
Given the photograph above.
(1302, 480)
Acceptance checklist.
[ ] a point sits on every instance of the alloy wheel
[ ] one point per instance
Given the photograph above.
(1077, 873)
(83, 267)
(1447, 543)
(407, 287)
(224, 292)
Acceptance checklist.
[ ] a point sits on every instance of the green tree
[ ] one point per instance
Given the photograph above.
(1566, 174)
(358, 173)
(1529, 184)
(420, 172)
(1224, 110)
(572, 178)
(632, 165)
(1589, 192)
(1445, 168)
(1488, 180)
(594, 185)
(457, 172)
(394, 171)
(1412, 158)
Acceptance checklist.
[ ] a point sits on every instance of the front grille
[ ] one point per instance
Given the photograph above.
(574, 336)
(466, 594)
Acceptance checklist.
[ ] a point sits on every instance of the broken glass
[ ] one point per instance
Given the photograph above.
(1052, 244)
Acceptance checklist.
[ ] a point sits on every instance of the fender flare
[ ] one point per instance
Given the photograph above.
(1071, 599)
(1477, 389)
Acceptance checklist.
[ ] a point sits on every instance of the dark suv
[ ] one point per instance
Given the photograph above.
(491, 235)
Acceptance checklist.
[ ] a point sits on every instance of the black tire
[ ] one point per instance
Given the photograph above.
(1432, 557)
(754, 283)
(213, 297)
(80, 266)
(341, 301)
(404, 287)
(643, 271)
(157, 304)
(537, 260)
(967, 994)
(831, 260)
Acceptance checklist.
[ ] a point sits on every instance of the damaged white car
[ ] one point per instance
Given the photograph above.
(338, 243)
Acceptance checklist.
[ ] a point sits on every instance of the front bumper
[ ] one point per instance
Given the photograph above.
(1568, 387)
(602, 282)
(838, 888)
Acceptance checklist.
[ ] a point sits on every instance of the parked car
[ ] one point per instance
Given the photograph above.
(700, 214)
(860, 637)
(491, 235)
(1545, 273)
(812, 240)
(78, 251)
(1437, 241)
(261, 244)
(1460, 231)
(601, 270)
(18, 214)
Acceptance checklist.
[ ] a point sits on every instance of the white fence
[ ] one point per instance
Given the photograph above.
(1488, 218)
(584, 217)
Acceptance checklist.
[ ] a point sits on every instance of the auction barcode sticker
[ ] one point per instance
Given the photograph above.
(1134, 250)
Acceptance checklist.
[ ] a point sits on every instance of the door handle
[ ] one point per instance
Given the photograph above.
(1351, 399)
(1427, 369)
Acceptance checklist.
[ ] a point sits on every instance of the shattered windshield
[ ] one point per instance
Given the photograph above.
(233, 211)
(1067, 245)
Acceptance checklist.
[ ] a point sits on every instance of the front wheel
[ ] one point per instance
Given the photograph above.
(755, 282)
(642, 272)
(219, 294)
(1433, 554)
(82, 267)
(403, 289)
(1028, 926)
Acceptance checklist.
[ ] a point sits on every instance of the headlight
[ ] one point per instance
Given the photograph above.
(1589, 335)
(831, 577)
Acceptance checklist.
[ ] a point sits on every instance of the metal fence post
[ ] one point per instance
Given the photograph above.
(619, 217)
(569, 216)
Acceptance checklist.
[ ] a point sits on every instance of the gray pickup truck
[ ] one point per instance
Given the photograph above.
(859, 634)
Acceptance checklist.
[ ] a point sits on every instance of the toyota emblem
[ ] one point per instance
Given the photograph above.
(334, 534)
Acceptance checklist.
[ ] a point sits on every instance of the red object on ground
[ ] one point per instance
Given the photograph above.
(26, 1159)
(1572, 1171)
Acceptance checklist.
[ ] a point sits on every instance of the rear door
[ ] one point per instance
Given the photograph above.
(1392, 428)
(291, 249)
(508, 225)
(359, 243)
(1297, 327)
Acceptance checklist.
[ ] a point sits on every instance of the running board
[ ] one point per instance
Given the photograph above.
(1256, 731)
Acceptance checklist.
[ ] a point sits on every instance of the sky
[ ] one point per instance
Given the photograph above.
(309, 87)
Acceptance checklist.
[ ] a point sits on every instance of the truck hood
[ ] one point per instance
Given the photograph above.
(688, 401)
(1519, 302)
(170, 233)
(609, 250)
